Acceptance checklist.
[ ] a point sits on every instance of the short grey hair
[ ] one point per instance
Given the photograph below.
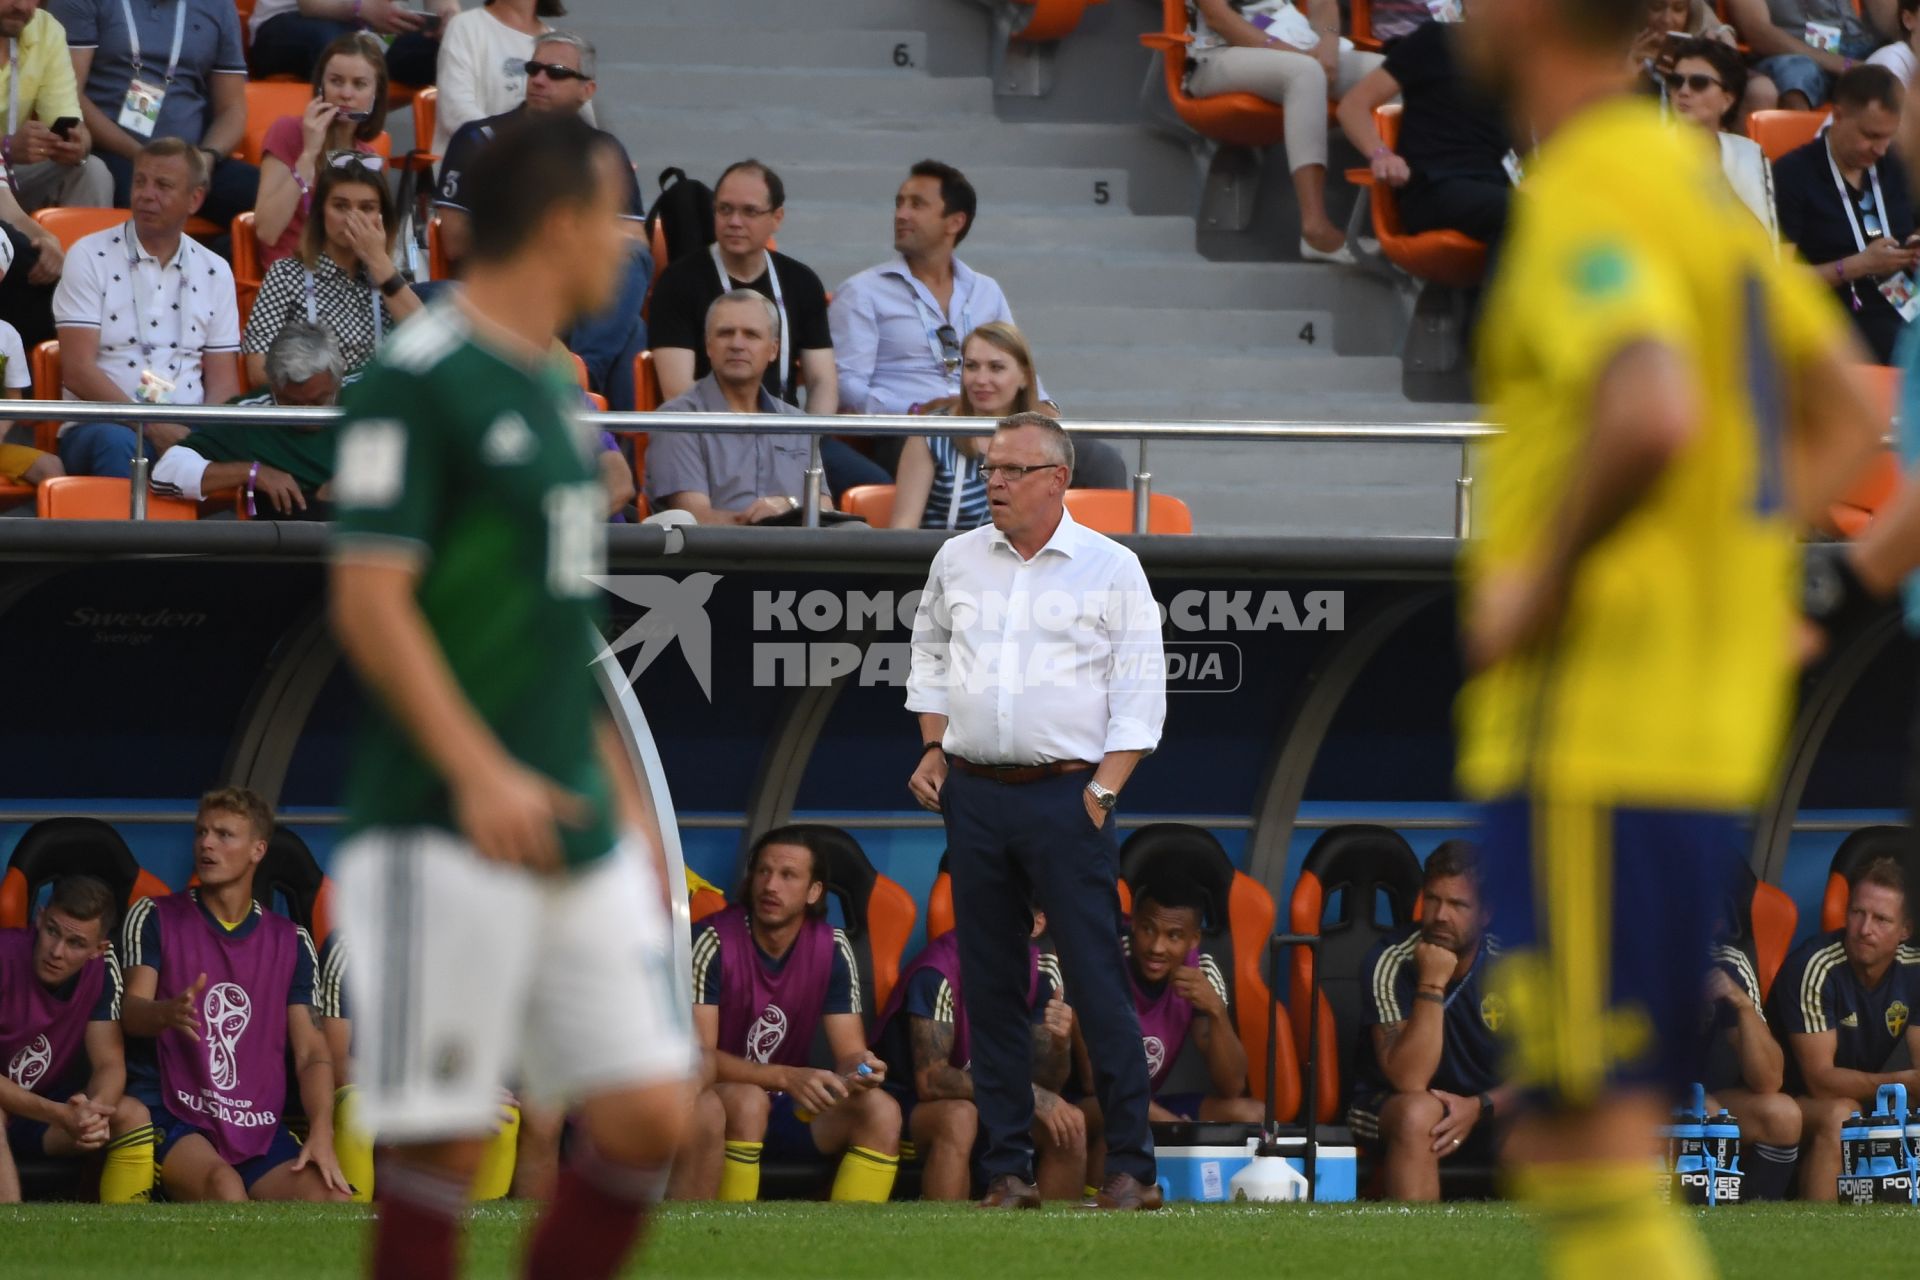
(303, 351)
(746, 295)
(589, 59)
(1059, 443)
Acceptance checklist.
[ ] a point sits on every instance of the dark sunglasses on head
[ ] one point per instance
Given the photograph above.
(1698, 81)
(356, 160)
(552, 71)
(949, 346)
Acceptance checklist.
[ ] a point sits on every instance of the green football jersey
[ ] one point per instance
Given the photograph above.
(480, 466)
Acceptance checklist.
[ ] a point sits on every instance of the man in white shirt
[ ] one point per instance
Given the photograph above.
(146, 315)
(1039, 681)
(898, 327)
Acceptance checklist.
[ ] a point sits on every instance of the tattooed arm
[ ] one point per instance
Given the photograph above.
(1053, 1046)
(934, 1077)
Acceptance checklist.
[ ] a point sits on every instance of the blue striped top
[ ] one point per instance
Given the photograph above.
(951, 467)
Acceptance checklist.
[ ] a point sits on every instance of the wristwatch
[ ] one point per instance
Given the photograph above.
(1101, 796)
(393, 284)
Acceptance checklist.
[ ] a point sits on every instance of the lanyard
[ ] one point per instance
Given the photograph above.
(146, 344)
(779, 304)
(13, 86)
(935, 322)
(313, 311)
(179, 38)
(1846, 201)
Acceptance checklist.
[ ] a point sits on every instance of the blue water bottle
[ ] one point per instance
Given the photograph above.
(1886, 1133)
(1853, 1146)
(1687, 1148)
(1722, 1152)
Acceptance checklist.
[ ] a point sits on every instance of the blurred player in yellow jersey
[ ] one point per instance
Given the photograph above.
(1676, 402)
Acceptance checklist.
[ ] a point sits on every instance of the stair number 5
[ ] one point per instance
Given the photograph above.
(1101, 195)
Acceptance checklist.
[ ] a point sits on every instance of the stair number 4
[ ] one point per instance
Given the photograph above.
(1101, 195)
(1306, 333)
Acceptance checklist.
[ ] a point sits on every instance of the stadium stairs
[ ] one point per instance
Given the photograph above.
(1088, 200)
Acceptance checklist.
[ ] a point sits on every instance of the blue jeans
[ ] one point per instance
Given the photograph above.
(99, 449)
(1797, 73)
(290, 44)
(609, 341)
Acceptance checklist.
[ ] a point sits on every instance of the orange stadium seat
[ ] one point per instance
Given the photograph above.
(872, 501)
(248, 275)
(54, 847)
(1779, 132)
(267, 101)
(1361, 16)
(1238, 924)
(646, 398)
(1855, 852)
(44, 364)
(1447, 258)
(879, 915)
(1241, 119)
(580, 371)
(1877, 484)
(1763, 925)
(1051, 19)
(1349, 868)
(438, 268)
(1111, 511)
(69, 225)
(104, 498)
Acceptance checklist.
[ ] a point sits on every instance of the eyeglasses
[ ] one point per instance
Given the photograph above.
(552, 71)
(949, 346)
(1013, 473)
(356, 160)
(1698, 81)
(748, 212)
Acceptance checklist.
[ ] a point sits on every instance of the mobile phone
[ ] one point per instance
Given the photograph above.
(65, 125)
(432, 25)
(356, 117)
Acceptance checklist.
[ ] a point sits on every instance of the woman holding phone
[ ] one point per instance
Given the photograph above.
(348, 111)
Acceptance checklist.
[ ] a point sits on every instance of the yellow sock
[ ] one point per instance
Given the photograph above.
(1604, 1221)
(740, 1172)
(494, 1178)
(352, 1144)
(127, 1177)
(865, 1176)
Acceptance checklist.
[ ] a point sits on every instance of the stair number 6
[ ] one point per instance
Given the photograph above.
(902, 56)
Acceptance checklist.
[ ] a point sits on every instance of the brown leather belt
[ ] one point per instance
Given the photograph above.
(1019, 773)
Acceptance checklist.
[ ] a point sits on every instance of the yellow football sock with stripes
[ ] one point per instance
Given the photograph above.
(740, 1172)
(352, 1144)
(865, 1177)
(1603, 1221)
(127, 1176)
(494, 1178)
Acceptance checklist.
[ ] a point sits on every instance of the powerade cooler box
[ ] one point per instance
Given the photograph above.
(1197, 1162)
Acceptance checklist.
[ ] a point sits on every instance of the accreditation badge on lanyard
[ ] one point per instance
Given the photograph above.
(140, 111)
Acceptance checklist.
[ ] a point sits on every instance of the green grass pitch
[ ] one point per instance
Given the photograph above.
(855, 1242)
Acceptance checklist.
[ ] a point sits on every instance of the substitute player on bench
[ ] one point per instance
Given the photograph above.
(1675, 402)
(494, 909)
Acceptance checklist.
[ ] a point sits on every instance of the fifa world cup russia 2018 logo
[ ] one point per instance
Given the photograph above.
(1156, 1054)
(31, 1062)
(766, 1034)
(227, 1010)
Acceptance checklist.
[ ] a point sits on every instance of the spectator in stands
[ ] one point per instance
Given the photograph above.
(176, 72)
(1391, 20)
(1302, 67)
(481, 70)
(1845, 1001)
(1706, 86)
(1180, 994)
(560, 79)
(344, 276)
(897, 326)
(767, 976)
(63, 1091)
(1902, 57)
(31, 260)
(1670, 23)
(146, 315)
(1429, 1088)
(290, 35)
(1744, 1072)
(227, 967)
(349, 81)
(1451, 165)
(22, 464)
(49, 169)
(1860, 243)
(1805, 46)
(923, 1035)
(282, 471)
(731, 479)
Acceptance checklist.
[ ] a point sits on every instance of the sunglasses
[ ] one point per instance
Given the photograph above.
(949, 346)
(356, 160)
(1698, 82)
(551, 70)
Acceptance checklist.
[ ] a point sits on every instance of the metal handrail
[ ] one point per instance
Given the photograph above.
(1459, 433)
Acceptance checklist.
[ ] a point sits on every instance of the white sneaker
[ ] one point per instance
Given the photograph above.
(1341, 257)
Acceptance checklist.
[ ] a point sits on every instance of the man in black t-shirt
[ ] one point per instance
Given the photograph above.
(1450, 166)
(749, 204)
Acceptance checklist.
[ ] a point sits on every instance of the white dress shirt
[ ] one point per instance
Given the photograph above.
(1033, 661)
(164, 316)
(885, 325)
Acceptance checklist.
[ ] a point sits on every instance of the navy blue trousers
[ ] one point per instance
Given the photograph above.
(1008, 845)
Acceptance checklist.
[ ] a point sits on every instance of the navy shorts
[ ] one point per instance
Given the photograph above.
(788, 1136)
(170, 1129)
(1606, 917)
(27, 1138)
(1184, 1105)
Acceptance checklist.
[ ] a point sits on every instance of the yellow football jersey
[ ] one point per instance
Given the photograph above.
(1669, 682)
